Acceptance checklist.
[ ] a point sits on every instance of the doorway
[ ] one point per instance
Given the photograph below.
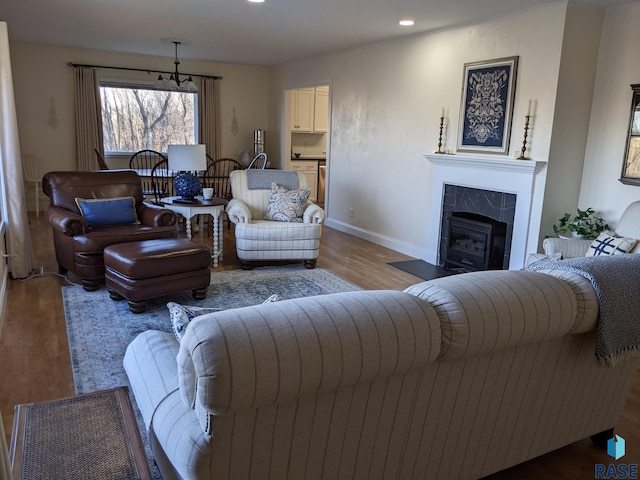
(306, 137)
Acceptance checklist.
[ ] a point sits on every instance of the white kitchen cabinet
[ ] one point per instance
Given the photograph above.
(302, 110)
(310, 170)
(321, 110)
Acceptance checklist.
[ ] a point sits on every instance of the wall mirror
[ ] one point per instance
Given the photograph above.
(631, 164)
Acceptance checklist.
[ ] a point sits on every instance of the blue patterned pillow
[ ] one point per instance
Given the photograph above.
(181, 316)
(608, 243)
(100, 212)
(287, 205)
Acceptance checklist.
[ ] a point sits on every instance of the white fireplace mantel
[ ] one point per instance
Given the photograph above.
(493, 173)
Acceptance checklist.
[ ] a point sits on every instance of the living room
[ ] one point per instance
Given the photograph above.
(385, 110)
(565, 56)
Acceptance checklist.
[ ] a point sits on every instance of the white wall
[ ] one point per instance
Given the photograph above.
(618, 67)
(386, 101)
(41, 73)
(574, 97)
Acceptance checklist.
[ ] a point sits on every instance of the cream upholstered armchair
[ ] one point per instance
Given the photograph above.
(628, 226)
(260, 239)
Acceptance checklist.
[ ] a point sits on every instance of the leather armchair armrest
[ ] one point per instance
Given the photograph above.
(156, 216)
(567, 247)
(67, 222)
(313, 213)
(238, 212)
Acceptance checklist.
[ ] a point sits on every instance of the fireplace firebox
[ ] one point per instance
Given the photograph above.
(475, 242)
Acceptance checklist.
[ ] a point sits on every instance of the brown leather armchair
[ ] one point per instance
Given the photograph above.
(79, 246)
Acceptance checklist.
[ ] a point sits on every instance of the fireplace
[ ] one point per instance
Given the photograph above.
(496, 209)
(474, 242)
(483, 173)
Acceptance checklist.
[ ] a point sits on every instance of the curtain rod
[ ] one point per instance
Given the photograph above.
(70, 64)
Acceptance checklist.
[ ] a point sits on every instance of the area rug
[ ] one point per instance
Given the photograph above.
(100, 329)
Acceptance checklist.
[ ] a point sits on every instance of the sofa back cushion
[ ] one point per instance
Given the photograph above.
(492, 310)
(258, 356)
(63, 188)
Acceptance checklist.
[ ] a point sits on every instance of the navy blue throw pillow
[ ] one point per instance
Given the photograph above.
(100, 212)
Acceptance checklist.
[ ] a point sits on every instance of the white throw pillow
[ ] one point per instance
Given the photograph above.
(287, 205)
(608, 243)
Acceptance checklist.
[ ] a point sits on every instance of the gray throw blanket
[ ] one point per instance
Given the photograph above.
(262, 179)
(616, 281)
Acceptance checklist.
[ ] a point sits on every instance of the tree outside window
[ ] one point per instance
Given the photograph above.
(138, 118)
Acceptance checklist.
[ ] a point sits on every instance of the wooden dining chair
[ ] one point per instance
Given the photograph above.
(259, 162)
(143, 163)
(162, 181)
(216, 176)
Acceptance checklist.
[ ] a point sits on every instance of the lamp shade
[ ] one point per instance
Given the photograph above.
(187, 158)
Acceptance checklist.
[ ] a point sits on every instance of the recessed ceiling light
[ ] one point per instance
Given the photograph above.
(256, 1)
(406, 22)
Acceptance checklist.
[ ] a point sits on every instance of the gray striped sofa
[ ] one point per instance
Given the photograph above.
(458, 377)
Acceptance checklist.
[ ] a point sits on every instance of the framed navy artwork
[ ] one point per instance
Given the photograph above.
(488, 90)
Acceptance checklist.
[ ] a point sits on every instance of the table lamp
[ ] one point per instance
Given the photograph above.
(187, 159)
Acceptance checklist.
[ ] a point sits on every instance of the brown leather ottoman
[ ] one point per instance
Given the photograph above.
(142, 270)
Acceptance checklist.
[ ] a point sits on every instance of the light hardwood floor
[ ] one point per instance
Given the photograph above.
(35, 362)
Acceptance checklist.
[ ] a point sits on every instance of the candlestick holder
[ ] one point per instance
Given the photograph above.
(524, 142)
(440, 137)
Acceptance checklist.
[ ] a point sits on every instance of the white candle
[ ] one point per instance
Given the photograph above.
(442, 112)
(529, 110)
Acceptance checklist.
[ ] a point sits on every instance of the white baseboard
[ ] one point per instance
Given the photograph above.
(384, 241)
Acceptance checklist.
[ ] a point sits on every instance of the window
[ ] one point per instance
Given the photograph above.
(631, 165)
(138, 118)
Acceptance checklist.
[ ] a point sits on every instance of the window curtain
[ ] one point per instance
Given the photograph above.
(209, 115)
(14, 205)
(88, 119)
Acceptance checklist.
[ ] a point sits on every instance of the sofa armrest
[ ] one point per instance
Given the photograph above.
(313, 213)
(156, 216)
(66, 222)
(150, 364)
(567, 247)
(238, 211)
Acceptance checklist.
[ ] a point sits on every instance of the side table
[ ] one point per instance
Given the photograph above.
(93, 435)
(199, 206)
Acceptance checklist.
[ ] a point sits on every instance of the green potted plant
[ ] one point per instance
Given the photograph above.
(585, 224)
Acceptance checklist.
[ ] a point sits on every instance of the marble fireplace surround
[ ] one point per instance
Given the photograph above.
(493, 173)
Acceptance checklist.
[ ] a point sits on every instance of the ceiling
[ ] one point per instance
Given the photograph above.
(236, 31)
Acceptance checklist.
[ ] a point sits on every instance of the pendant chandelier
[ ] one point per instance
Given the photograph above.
(174, 82)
